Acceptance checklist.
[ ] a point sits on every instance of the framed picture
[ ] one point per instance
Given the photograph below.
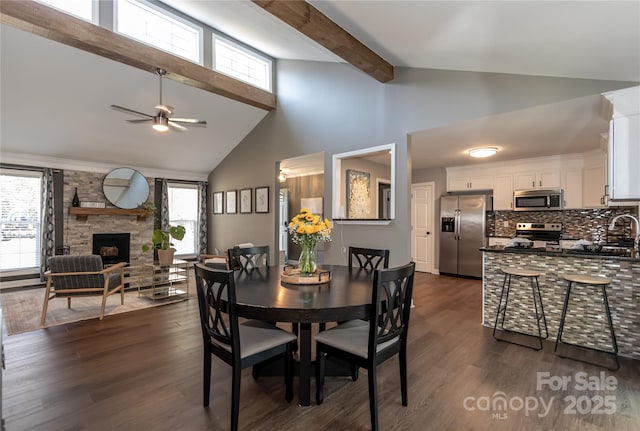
(217, 202)
(358, 194)
(231, 202)
(262, 199)
(245, 201)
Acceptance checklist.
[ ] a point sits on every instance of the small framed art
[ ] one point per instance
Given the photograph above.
(217, 202)
(262, 199)
(231, 201)
(245, 201)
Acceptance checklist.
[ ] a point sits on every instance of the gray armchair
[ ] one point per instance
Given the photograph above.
(70, 276)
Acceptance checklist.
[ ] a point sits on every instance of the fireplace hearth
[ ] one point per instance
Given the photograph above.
(112, 247)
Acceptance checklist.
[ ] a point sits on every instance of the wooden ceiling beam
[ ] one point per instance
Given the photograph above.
(310, 21)
(47, 22)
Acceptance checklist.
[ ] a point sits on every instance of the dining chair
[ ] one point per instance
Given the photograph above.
(369, 343)
(368, 258)
(247, 258)
(239, 345)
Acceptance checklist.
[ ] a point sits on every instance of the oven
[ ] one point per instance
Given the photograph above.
(543, 235)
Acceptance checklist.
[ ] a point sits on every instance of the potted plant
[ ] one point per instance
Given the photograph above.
(161, 241)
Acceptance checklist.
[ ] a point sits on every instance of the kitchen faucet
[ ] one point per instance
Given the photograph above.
(636, 241)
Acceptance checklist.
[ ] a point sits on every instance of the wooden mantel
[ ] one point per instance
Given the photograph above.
(83, 213)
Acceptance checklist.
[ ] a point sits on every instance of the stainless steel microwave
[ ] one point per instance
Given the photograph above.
(538, 200)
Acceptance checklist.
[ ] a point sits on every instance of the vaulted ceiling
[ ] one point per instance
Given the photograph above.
(55, 98)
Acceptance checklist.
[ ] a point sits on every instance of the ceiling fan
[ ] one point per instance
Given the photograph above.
(162, 121)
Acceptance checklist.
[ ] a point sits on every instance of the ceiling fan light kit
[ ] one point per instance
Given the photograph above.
(161, 122)
(483, 152)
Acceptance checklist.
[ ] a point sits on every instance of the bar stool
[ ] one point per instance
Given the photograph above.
(506, 287)
(588, 280)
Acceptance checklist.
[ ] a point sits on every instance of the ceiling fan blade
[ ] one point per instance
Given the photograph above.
(141, 121)
(190, 121)
(177, 127)
(130, 111)
(166, 108)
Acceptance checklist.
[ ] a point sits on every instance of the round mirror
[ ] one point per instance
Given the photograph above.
(125, 188)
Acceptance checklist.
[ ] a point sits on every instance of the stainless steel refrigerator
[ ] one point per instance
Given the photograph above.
(463, 233)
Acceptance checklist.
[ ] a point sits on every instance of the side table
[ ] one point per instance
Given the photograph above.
(165, 281)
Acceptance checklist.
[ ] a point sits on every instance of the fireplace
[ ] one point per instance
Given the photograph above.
(112, 247)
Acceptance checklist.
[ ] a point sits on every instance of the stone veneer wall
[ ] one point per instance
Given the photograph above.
(586, 322)
(589, 224)
(78, 235)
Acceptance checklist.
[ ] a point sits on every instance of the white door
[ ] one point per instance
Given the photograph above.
(422, 232)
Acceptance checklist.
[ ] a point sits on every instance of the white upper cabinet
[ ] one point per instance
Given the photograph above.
(572, 187)
(466, 182)
(547, 179)
(594, 181)
(624, 145)
(503, 192)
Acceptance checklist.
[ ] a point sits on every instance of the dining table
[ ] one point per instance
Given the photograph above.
(262, 294)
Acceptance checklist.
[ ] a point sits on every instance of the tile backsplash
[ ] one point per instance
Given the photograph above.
(589, 224)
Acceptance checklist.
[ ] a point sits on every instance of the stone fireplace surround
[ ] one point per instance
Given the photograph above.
(78, 235)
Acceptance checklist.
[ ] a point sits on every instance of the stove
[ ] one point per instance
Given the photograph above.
(545, 235)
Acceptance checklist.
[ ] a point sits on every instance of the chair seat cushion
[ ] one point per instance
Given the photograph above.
(257, 336)
(216, 263)
(352, 337)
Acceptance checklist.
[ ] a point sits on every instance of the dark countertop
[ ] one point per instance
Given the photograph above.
(604, 254)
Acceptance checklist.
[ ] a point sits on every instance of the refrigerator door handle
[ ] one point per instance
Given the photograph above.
(457, 221)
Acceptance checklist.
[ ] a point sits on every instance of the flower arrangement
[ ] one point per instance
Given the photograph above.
(307, 229)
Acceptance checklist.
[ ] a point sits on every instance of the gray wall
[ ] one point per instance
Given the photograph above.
(334, 108)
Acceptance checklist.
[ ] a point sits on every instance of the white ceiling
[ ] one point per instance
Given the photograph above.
(59, 111)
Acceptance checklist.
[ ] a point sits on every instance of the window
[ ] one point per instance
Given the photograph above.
(80, 8)
(20, 203)
(183, 210)
(240, 63)
(152, 25)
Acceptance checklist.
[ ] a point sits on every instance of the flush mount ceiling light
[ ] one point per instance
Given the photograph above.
(483, 152)
(282, 177)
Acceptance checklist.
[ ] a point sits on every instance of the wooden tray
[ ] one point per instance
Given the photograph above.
(291, 274)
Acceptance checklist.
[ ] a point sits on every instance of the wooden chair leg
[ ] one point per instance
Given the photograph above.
(46, 302)
(373, 398)
(206, 378)
(104, 304)
(235, 397)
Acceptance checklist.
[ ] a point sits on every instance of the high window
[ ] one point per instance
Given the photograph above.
(183, 210)
(235, 60)
(152, 25)
(79, 8)
(20, 203)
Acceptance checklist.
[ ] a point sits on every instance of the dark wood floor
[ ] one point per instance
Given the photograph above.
(142, 371)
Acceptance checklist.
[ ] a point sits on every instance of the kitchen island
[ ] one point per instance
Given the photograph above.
(587, 324)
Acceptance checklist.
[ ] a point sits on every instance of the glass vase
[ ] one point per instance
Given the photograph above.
(307, 261)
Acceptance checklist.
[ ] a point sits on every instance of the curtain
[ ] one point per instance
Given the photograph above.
(202, 218)
(164, 204)
(47, 242)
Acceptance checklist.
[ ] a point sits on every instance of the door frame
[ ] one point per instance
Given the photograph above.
(431, 221)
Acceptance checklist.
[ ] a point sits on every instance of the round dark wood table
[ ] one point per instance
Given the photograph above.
(260, 294)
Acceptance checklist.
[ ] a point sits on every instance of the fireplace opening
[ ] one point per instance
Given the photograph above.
(112, 247)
